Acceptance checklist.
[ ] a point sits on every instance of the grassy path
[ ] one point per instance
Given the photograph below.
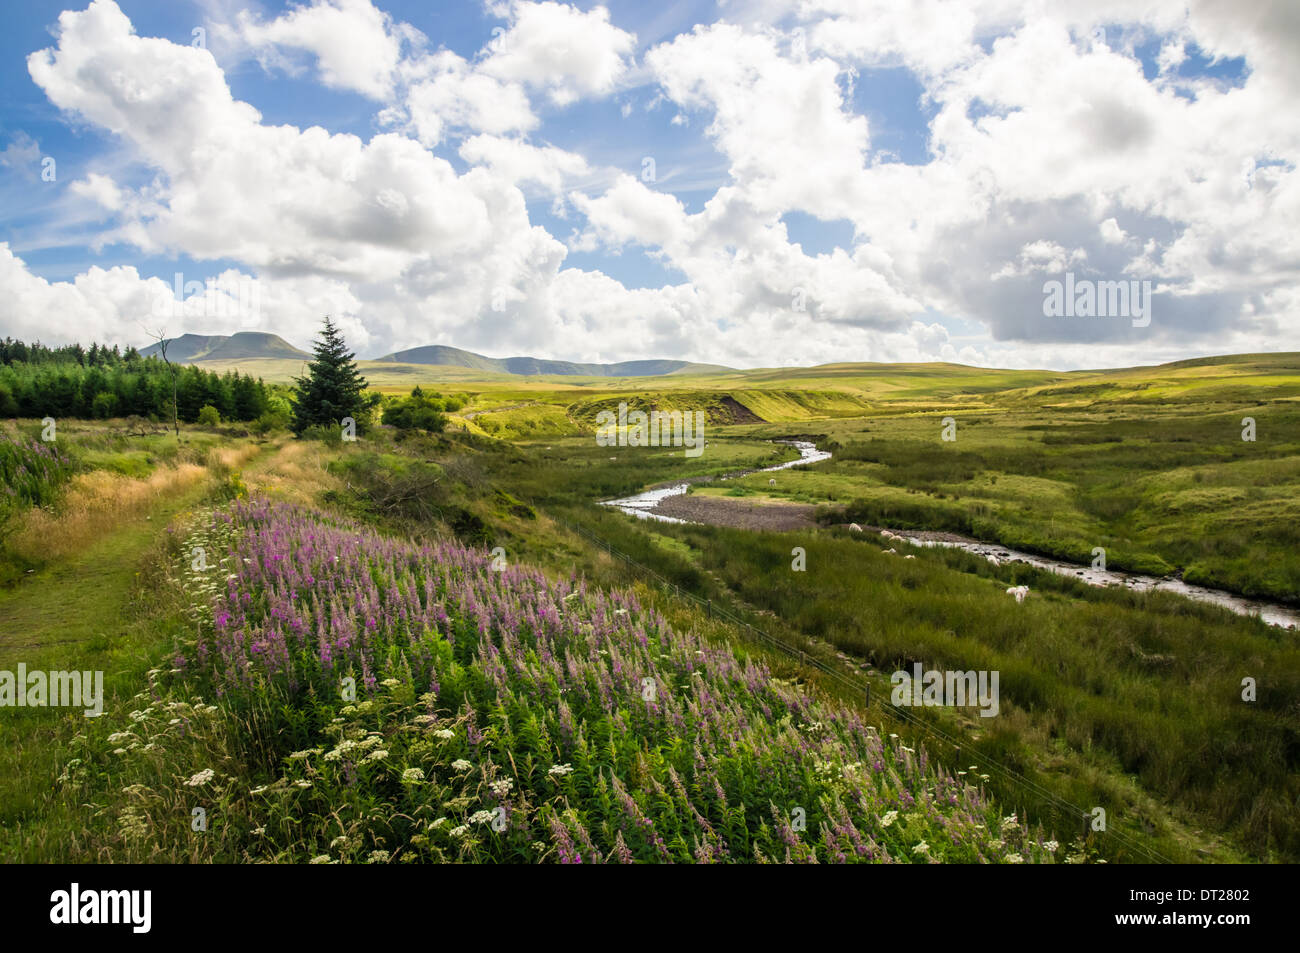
(83, 601)
(90, 612)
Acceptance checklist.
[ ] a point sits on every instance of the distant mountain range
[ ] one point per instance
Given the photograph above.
(254, 345)
(241, 346)
(455, 357)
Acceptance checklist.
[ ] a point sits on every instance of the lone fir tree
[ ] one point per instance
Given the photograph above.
(333, 386)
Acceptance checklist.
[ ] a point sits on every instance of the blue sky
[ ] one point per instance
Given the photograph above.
(751, 183)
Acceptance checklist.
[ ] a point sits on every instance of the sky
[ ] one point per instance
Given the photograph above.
(754, 183)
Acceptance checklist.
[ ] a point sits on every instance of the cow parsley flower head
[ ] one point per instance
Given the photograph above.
(201, 778)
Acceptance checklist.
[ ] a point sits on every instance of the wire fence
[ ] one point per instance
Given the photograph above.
(1067, 813)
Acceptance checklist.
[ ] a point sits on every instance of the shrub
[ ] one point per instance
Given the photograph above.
(269, 421)
(332, 436)
(104, 405)
(420, 411)
(209, 416)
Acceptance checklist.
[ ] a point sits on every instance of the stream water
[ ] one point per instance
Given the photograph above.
(642, 505)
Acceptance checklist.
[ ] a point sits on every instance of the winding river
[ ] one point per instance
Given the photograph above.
(642, 505)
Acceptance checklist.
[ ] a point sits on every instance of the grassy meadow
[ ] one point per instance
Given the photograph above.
(523, 696)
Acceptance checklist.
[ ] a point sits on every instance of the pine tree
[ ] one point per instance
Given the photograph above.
(332, 388)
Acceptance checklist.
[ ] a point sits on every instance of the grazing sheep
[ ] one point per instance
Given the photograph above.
(771, 482)
(1020, 592)
(993, 560)
(909, 557)
(889, 550)
(854, 527)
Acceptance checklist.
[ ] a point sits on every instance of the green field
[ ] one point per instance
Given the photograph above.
(1110, 699)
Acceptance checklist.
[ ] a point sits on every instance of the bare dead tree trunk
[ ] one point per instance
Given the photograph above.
(161, 337)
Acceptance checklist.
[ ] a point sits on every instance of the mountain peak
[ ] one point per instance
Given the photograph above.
(242, 345)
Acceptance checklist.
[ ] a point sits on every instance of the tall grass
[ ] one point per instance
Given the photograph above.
(31, 472)
(499, 717)
(94, 504)
(1146, 685)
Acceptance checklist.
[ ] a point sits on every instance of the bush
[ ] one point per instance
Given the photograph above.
(104, 405)
(332, 436)
(209, 416)
(420, 411)
(269, 421)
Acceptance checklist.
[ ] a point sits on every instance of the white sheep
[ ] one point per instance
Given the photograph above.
(889, 550)
(1020, 592)
(771, 482)
(854, 527)
(909, 557)
(993, 560)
